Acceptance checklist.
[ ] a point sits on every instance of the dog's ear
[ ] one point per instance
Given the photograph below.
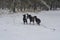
(35, 16)
(23, 15)
(27, 13)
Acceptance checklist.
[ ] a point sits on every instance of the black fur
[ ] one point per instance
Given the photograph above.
(38, 21)
(24, 19)
(31, 18)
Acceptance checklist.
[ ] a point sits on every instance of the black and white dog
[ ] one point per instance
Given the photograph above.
(24, 19)
(31, 18)
(38, 21)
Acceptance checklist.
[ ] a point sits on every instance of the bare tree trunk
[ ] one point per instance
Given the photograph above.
(14, 5)
(45, 4)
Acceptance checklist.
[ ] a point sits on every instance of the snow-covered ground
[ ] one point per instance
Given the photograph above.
(12, 27)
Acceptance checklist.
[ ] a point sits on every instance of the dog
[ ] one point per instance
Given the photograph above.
(31, 18)
(38, 21)
(24, 19)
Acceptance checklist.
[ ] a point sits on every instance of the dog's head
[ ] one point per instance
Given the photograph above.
(35, 17)
(24, 15)
(29, 16)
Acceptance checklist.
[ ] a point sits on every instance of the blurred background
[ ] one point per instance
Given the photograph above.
(30, 5)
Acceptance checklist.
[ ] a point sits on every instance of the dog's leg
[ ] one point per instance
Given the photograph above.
(26, 22)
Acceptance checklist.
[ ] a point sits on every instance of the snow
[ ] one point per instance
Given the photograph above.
(12, 27)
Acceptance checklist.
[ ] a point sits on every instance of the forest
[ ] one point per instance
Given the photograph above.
(30, 5)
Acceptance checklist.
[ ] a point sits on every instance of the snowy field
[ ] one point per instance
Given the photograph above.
(12, 27)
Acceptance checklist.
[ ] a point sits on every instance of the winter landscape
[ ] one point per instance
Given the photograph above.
(12, 27)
